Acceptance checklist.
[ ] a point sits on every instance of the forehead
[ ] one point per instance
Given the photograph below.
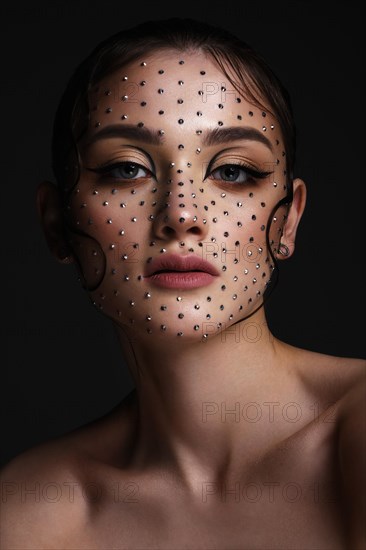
(175, 93)
(169, 74)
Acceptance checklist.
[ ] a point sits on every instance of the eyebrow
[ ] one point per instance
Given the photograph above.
(234, 133)
(215, 136)
(130, 131)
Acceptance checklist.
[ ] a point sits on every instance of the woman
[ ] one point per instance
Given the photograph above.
(173, 152)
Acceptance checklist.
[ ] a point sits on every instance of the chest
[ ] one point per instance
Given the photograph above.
(288, 497)
(250, 517)
(279, 505)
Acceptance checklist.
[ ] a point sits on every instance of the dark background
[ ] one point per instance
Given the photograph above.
(61, 365)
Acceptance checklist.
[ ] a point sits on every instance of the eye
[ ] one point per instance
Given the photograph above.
(123, 171)
(231, 173)
(236, 173)
(128, 170)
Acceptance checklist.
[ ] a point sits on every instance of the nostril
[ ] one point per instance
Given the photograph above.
(186, 225)
(168, 231)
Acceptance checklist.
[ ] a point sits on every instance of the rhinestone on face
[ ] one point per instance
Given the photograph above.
(212, 212)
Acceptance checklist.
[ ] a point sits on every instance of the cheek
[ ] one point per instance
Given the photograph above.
(107, 227)
(115, 237)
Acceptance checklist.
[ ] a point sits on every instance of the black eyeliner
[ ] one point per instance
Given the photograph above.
(108, 167)
(257, 174)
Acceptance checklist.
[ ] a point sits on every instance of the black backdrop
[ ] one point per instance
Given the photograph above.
(63, 367)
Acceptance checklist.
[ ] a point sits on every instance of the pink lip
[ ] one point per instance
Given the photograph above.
(180, 271)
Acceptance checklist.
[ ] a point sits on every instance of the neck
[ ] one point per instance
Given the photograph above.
(196, 401)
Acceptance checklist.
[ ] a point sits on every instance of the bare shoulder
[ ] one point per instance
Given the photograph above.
(47, 487)
(328, 378)
(40, 494)
(340, 382)
(352, 461)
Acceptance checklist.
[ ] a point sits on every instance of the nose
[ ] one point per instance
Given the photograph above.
(180, 216)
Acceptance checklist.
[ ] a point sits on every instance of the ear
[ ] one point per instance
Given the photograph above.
(293, 219)
(50, 213)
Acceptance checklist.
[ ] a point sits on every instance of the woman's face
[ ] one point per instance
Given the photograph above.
(177, 163)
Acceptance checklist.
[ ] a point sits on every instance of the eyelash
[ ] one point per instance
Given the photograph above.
(251, 172)
(106, 169)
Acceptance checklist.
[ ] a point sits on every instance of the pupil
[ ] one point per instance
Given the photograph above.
(130, 170)
(231, 172)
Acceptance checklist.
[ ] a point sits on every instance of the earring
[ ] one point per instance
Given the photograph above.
(63, 256)
(284, 250)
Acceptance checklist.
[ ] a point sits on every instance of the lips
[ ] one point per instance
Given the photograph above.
(175, 262)
(175, 271)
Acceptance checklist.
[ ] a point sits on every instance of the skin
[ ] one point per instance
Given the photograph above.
(164, 461)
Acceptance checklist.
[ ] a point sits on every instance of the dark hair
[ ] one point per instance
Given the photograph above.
(255, 81)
